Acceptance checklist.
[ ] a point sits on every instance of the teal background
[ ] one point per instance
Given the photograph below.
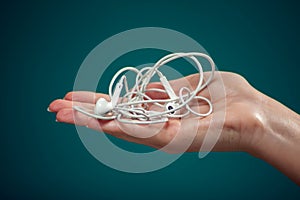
(43, 43)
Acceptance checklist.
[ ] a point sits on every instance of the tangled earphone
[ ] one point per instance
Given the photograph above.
(136, 107)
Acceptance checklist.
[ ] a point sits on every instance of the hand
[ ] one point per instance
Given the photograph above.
(254, 123)
(241, 100)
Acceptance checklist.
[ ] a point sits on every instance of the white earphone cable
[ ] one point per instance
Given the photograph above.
(133, 107)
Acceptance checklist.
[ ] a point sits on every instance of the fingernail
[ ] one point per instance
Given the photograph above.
(48, 109)
(56, 120)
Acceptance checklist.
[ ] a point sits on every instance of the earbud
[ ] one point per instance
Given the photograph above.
(171, 106)
(168, 87)
(103, 106)
(172, 95)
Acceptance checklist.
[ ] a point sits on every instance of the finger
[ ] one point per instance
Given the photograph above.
(111, 127)
(59, 104)
(71, 116)
(85, 96)
(190, 82)
(68, 115)
(155, 94)
(176, 85)
(154, 135)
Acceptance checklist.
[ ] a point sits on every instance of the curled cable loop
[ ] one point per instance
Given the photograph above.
(136, 107)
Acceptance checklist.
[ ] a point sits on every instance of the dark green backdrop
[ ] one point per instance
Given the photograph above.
(43, 43)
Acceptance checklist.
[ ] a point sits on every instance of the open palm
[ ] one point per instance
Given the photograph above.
(235, 113)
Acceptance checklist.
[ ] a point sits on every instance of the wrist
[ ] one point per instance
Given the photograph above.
(276, 125)
(277, 140)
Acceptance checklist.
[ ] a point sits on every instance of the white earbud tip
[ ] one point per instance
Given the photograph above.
(102, 106)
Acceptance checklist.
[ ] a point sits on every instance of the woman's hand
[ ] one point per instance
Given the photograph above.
(241, 122)
(253, 122)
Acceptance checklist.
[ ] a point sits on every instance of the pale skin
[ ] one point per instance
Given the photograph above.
(254, 123)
